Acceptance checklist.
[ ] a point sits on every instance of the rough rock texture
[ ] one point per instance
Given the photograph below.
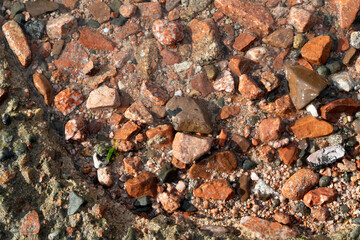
(257, 228)
(299, 184)
(317, 50)
(103, 97)
(142, 185)
(310, 127)
(252, 16)
(271, 129)
(320, 196)
(347, 11)
(326, 156)
(332, 111)
(61, 26)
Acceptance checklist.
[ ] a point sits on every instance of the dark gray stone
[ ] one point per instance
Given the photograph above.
(35, 29)
(17, 7)
(93, 24)
(248, 165)
(324, 181)
(168, 173)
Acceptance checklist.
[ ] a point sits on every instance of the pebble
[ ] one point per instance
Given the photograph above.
(75, 202)
(75, 129)
(325, 181)
(248, 165)
(244, 187)
(17, 42)
(317, 50)
(188, 148)
(104, 176)
(282, 37)
(302, 209)
(257, 228)
(256, 54)
(343, 81)
(216, 189)
(289, 154)
(36, 8)
(305, 85)
(320, 196)
(149, 11)
(240, 143)
(167, 32)
(44, 87)
(299, 184)
(154, 93)
(30, 224)
(282, 218)
(321, 213)
(127, 10)
(61, 26)
(355, 233)
(5, 154)
(311, 127)
(254, 17)
(205, 46)
(248, 88)
(35, 28)
(344, 208)
(355, 39)
(312, 110)
(93, 40)
(99, 161)
(170, 202)
(239, 65)
(301, 19)
(186, 114)
(243, 41)
(139, 113)
(167, 173)
(142, 185)
(16, 8)
(271, 129)
(103, 98)
(100, 11)
(225, 83)
(326, 156)
(6, 119)
(67, 100)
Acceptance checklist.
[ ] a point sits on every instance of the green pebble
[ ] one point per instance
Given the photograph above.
(19, 18)
(248, 165)
(334, 67)
(323, 71)
(324, 181)
(93, 24)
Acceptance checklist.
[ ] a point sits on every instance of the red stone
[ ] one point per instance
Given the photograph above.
(142, 185)
(243, 41)
(289, 154)
(201, 83)
(94, 40)
(100, 11)
(317, 50)
(301, 19)
(320, 196)
(30, 224)
(299, 184)
(75, 129)
(343, 44)
(332, 111)
(310, 127)
(271, 129)
(166, 32)
(127, 30)
(217, 190)
(149, 11)
(252, 16)
(170, 57)
(73, 58)
(67, 100)
(165, 131)
(239, 65)
(126, 131)
(248, 88)
(153, 93)
(347, 11)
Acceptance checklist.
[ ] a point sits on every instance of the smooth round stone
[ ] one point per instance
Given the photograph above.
(324, 181)
(93, 24)
(323, 71)
(248, 165)
(6, 119)
(302, 208)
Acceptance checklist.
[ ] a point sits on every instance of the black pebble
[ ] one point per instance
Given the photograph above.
(6, 119)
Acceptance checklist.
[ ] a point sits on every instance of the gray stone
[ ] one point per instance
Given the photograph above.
(343, 81)
(198, 5)
(261, 188)
(187, 115)
(168, 173)
(41, 6)
(326, 156)
(355, 233)
(324, 181)
(35, 29)
(171, 4)
(334, 67)
(17, 7)
(355, 39)
(323, 71)
(115, 5)
(75, 202)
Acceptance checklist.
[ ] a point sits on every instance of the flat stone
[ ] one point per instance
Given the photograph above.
(271, 129)
(61, 27)
(269, 80)
(205, 45)
(282, 37)
(188, 148)
(130, 28)
(332, 111)
(105, 72)
(100, 11)
(239, 65)
(167, 32)
(149, 11)
(75, 130)
(142, 185)
(248, 88)
(126, 131)
(243, 41)
(94, 40)
(310, 127)
(30, 224)
(349, 56)
(244, 187)
(282, 218)
(153, 93)
(252, 16)
(198, 5)
(228, 111)
(257, 228)
(75, 202)
(164, 132)
(187, 115)
(103, 97)
(289, 154)
(347, 11)
(299, 184)
(320, 196)
(321, 213)
(67, 100)
(301, 19)
(40, 6)
(326, 156)
(139, 113)
(73, 58)
(44, 87)
(71, 4)
(202, 84)
(281, 107)
(217, 190)
(305, 85)
(147, 57)
(17, 42)
(317, 50)
(240, 143)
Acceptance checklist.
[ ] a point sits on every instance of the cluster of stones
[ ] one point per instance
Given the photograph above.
(189, 132)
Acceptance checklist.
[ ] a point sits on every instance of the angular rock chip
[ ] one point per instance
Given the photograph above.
(40, 6)
(282, 37)
(94, 40)
(139, 113)
(310, 127)
(332, 111)
(289, 154)
(147, 57)
(154, 93)
(299, 184)
(252, 16)
(244, 187)
(320, 196)
(317, 50)
(326, 156)
(30, 223)
(75, 129)
(205, 45)
(103, 97)
(271, 129)
(67, 100)
(61, 26)
(257, 228)
(75, 201)
(189, 116)
(217, 190)
(187, 148)
(142, 185)
(347, 11)
(167, 32)
(305, 85)
(248, 88)
(301, 19)
(17, 42)
(100, 11)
